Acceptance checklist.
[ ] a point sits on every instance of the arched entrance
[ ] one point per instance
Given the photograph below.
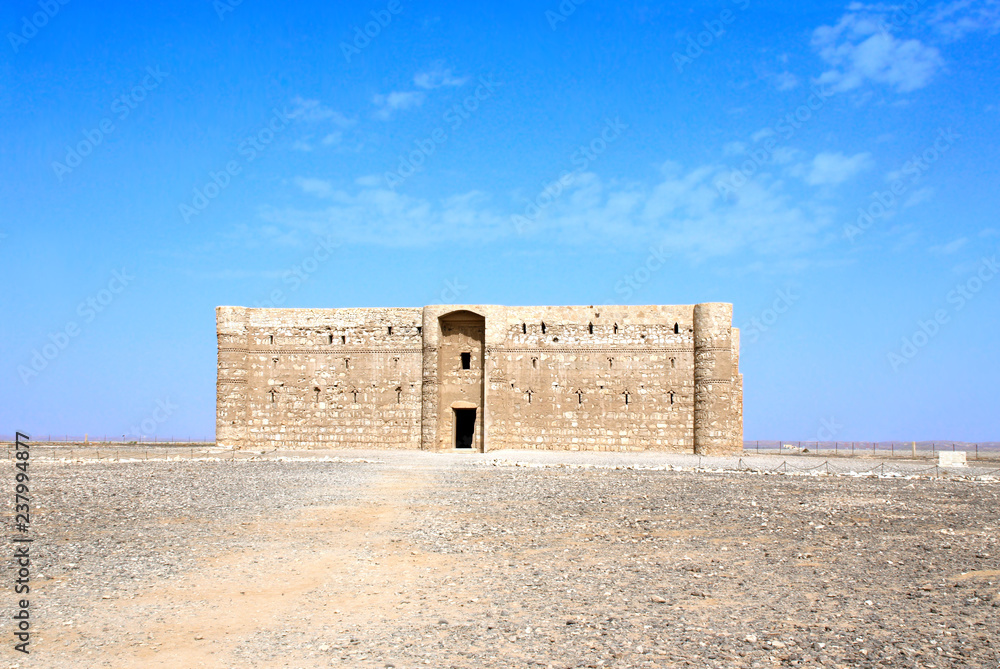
(460, 379)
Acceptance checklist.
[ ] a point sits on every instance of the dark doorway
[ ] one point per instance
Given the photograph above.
(465, 427)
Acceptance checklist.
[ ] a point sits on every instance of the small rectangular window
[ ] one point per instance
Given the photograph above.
(466, 361)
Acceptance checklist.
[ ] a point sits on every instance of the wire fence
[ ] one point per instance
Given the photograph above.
(106, 440)
(917, 450)
(118, 451)
(887, 469)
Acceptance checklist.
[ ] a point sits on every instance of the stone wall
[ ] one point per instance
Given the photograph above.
(587, 378)
(319, 378)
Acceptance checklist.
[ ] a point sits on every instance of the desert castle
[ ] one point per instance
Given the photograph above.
(481, 377)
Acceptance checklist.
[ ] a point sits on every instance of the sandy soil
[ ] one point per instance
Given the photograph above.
(406, 560)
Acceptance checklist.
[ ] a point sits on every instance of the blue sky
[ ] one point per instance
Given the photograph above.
(829, 170)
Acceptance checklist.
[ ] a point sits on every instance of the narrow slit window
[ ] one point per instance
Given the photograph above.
(273, 394)
(466, 361)
(343, 339)
(355, 394)
(524, 328)
(534, 363)
(673, 363)
(390, 329)
(543, 327)
(579, 397)
(672, 396)
(677, 328)
(269, 339)
(399, 395)
(611, 363)
(330, 339)
(316, 395)
(590, 328)
(616, 328)
(626, 397)
(529, 394)
(347, 363)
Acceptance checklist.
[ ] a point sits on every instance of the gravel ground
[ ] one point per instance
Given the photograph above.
(513, 559)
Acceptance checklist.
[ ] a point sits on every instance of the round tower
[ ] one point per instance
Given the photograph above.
(231, 380)
(713, 378)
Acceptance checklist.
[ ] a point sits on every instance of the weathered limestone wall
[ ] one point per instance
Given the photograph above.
(587, 378)
(714, 381)
(321, 378)
(592, 378)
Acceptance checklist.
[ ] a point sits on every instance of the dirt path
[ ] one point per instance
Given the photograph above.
(331, 568)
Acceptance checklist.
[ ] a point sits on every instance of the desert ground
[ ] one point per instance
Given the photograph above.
(381, 559)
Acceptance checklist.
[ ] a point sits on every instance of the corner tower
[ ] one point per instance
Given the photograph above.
(717, 382)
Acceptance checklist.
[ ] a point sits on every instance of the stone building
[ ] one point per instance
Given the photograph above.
(481, 377)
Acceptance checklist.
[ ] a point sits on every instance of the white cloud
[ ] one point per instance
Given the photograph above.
(333, 138)
(951, 247)
(784, 155)
(918, 196)
(436, 78)
(380, 216)
(397, 101)
(955, 20)
(682, 208)
(734, 149)
(785, 81)
(317, 187)
(858, 50)
(369, 180)
(829, 169)
(313, 111)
